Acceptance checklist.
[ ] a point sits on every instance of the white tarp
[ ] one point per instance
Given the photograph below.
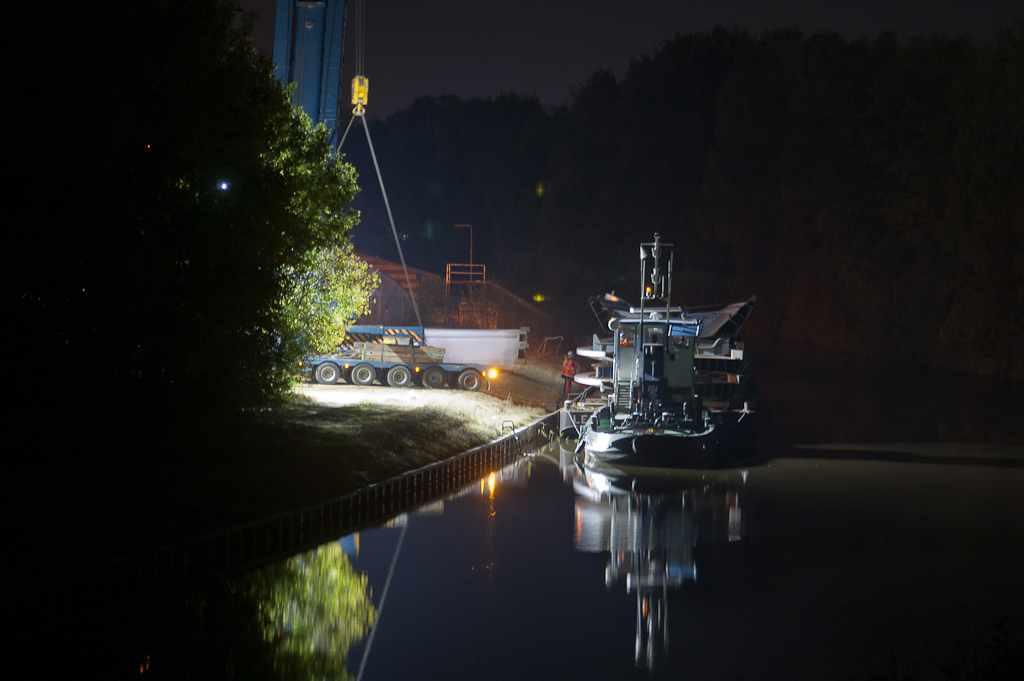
(490, 347)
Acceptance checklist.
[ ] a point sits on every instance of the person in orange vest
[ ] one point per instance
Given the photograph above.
(569, 370)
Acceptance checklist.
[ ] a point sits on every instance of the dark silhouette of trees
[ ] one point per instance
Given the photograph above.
(869, 191)
(444, 162)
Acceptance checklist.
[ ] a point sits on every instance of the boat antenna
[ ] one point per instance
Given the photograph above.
(637, 384)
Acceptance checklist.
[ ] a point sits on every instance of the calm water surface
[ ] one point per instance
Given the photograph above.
(867, 541)
(792, 569)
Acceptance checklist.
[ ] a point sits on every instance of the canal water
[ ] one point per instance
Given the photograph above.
(878, 534)
(794, 569)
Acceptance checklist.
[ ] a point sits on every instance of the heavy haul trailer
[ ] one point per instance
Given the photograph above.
(399, 356)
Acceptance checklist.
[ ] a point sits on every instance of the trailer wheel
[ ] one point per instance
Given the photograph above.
(399, 376)
(363, 374)
(327, 373)
(434, 378)
(470, 380)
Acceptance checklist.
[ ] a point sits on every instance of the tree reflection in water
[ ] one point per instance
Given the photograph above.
(312, 609)
(293, 620)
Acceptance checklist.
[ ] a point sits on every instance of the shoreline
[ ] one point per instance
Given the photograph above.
(330, 441)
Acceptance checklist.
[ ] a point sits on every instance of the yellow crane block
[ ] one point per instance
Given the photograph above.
(360, 94)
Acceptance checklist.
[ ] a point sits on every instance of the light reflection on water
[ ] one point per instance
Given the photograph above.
(794, 568)
(797, 568)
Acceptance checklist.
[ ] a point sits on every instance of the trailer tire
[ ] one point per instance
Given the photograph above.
(399, 376)
(363, 374)
(327, 373)
(434, 378)
(471, 380)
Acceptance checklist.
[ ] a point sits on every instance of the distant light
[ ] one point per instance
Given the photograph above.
(539, 297)
(223, 185)
(540, 189)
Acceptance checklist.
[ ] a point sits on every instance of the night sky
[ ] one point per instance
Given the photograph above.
(482, 48)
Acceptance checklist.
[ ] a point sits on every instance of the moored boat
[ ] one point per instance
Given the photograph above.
(672, 380)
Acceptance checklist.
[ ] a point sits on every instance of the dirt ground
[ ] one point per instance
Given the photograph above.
(537, 382)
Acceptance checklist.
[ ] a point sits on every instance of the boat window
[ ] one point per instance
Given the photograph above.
(654, 334)
(684, 330)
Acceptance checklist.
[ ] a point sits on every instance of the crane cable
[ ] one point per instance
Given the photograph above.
(360, 22)
(360, 90)
(380, 606)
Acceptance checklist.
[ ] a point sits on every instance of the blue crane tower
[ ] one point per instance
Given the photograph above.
(309, 38)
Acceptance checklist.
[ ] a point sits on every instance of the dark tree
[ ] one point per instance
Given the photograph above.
(170, 194)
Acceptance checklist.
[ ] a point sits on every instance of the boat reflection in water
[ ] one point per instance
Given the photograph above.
(649, 520)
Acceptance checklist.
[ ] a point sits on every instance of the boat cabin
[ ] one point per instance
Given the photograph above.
(662, 371)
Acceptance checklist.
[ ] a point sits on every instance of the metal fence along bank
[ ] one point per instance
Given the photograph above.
(282, 536)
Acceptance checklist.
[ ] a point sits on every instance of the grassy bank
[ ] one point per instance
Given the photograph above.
(90, 502)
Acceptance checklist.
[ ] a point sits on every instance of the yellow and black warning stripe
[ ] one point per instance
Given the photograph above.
(385, 334)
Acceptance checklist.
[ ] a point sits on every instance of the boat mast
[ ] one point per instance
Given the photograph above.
(660, 289)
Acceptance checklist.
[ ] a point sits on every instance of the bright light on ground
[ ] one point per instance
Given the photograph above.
(487, 411)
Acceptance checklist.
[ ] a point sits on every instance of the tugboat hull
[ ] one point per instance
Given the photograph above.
(712, 448)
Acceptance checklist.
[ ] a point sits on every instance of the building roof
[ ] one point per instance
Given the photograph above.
(394, 271)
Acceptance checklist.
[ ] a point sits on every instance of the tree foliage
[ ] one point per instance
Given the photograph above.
(170, 208)
(332, 288)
